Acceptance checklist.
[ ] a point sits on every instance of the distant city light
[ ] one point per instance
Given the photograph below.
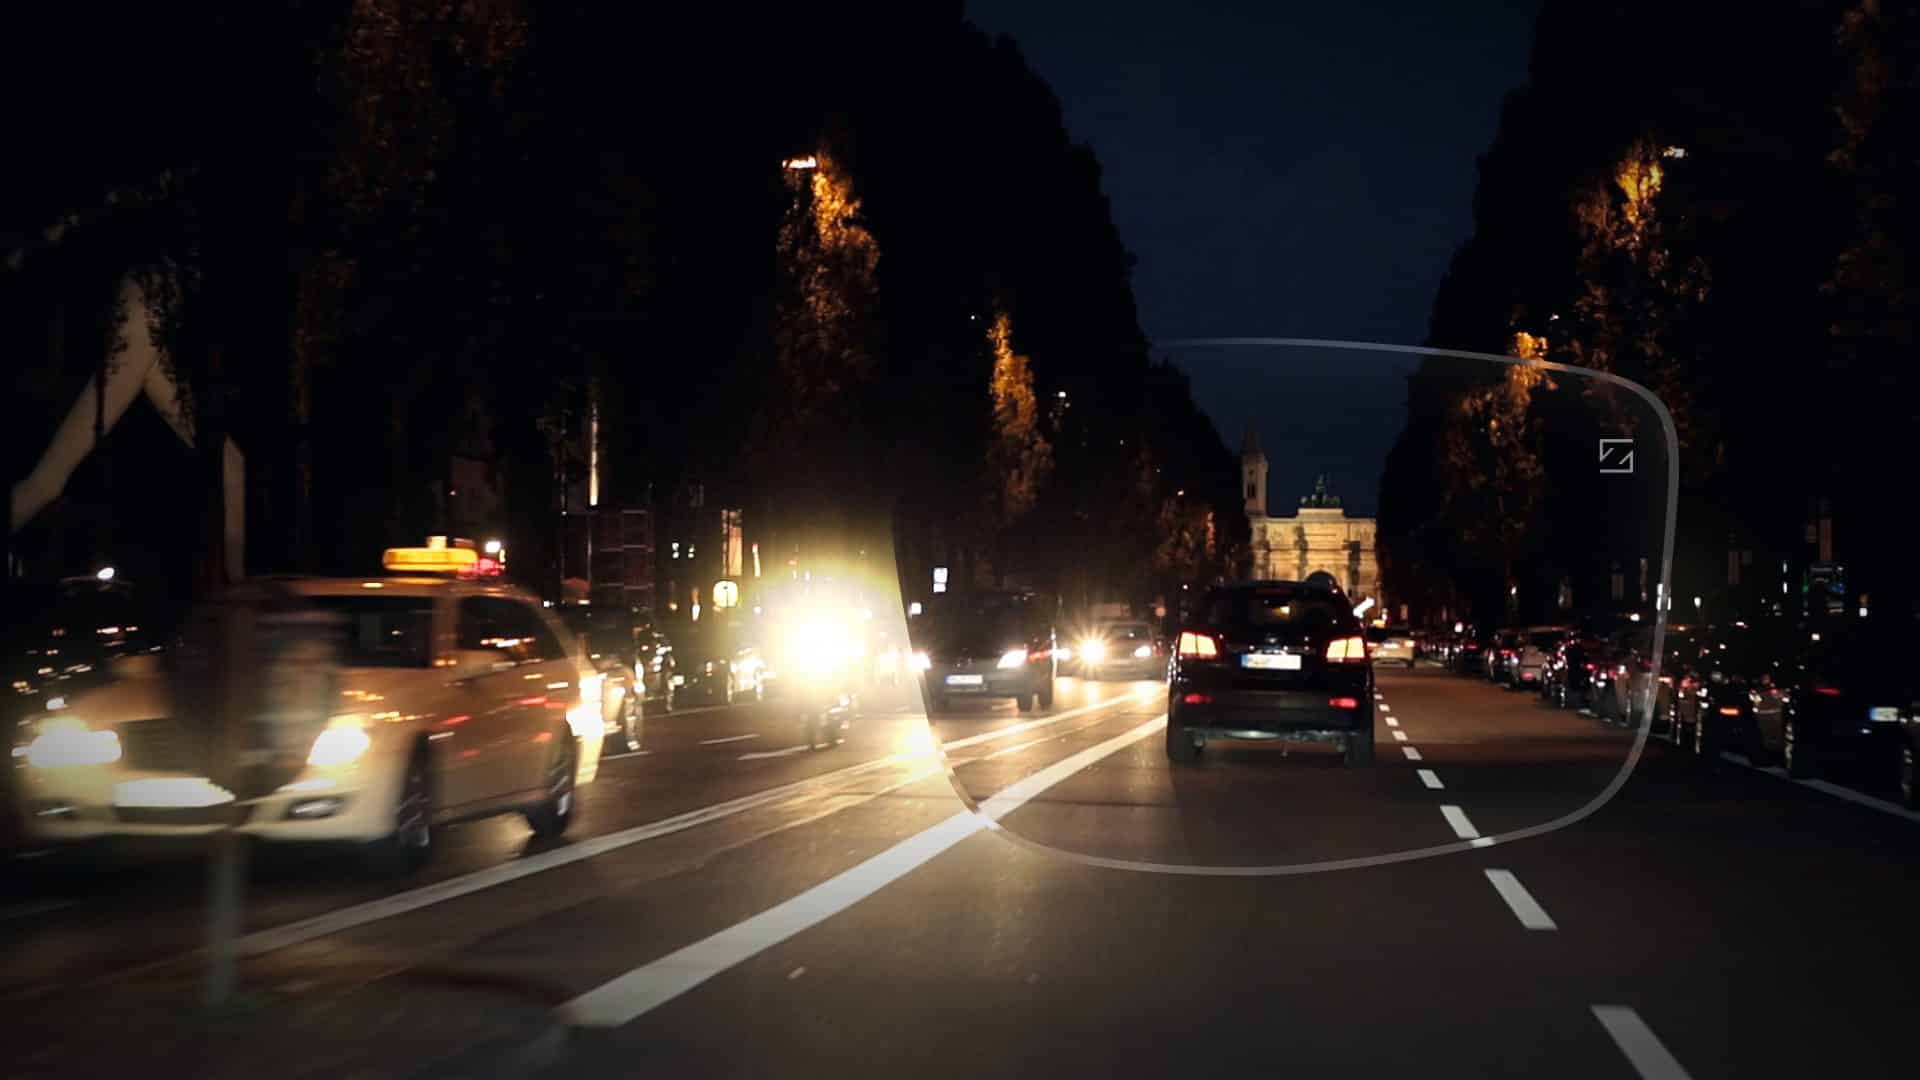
(105, 573)
(808, 162)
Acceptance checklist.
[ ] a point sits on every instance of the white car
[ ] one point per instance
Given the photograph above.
(457, 699)
(1534, 650)
(1390, 645)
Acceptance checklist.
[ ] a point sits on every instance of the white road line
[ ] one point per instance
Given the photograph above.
(1643, 1048)
(1412, 754)
(1384, 707)
(761, 754)
(1399, 736)
(1827, 787)
(1457, 818)
(1391, 722)
(729, 738)
(1009, 749)
(1428, 778)
(624, 754)
(654, 984)
(796, 973)
(386, 907)
(1525, 907)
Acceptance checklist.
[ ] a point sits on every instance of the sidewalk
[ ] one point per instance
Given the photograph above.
(411, 1024)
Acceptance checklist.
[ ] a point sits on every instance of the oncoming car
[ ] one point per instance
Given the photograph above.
(1121, 649)
(1271, 660)
(457, 699)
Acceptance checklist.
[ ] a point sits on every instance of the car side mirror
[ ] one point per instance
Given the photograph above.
(474, 663)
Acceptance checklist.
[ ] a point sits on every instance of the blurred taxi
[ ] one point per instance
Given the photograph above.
(458, 697)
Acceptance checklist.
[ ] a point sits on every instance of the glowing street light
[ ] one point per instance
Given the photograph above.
(808, 162)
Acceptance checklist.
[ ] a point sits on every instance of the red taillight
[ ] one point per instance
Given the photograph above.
(1198, 646)
(1506, 652)
(1830, 691)
(1589, 667)
(1347, 649)
(1034, 656)
(1195, 699)
(1344, 702)
(1729, 710)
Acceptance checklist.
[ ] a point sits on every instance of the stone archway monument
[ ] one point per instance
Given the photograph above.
(1318, 536)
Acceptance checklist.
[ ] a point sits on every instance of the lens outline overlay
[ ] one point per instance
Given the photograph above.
(1641, 731)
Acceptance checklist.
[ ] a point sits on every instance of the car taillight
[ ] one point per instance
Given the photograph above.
(1830, 691)
(1037, 655)
(1589, 667)
(1729, 710)
(1198, 646)
(1196, 699)
(1344, 702)
(1347, 649)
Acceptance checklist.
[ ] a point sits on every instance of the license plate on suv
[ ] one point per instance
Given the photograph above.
(1271, 661)
(965, 680)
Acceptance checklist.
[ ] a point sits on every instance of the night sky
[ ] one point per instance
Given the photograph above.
(1284, 170)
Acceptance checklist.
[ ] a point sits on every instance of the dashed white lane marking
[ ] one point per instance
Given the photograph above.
(1384, 707)
(796, 972)
(1412, 754)
(1391, 722)
(730, 738)
(788, 752)
(1649, 1056)
(1457, 818)
(1826, 787)
(1525, 907)
(651, 985)
(1428, 778)
(1399, 736)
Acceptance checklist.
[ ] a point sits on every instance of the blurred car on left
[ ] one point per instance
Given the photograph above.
(613, 645)
(457, 698)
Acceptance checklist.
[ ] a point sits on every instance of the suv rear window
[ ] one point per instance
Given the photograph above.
(1311, 609)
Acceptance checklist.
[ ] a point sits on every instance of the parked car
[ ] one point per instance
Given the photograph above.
(1499, 655)
(1531, 649)
(1469, 653)
(1842, 700)
(715, 663)
(1732, 688)
(1567, 680)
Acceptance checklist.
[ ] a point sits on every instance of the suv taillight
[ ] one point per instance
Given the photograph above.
(1198, 646)
(1347, 649)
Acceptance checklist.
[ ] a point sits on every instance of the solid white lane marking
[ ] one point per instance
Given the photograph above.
(796, 972)
(1525, 907)
(625, 753)
(386, 907)
(1650, 1057)
(1826, 787)
(1015, 747)
(1428, 778)
(1412, 754)
(729, 738)
(1029, 725)
(1399, 736)
(1481, 841)
(1391, 722)
(761, 754)
(1457, 818)
(651, 985)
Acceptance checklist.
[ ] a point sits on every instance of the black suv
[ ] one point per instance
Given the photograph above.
(1271, 660)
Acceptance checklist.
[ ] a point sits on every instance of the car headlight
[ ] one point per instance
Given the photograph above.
(1093, 649)
(1141, 652)
(344, 742)
(921, 661)
(1064, 652)
(65, 741)
(1013, 658)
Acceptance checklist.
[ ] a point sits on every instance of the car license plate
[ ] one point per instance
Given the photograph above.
(965, 680)
(1271, 661)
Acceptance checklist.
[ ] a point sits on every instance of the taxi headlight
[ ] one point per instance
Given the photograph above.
(344, 742)
(1013, 658)
(66, 741)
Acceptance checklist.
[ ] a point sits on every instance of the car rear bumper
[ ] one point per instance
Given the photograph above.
(1268, 714)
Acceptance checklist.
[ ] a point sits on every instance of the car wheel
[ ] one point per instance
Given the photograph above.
(1181, 749)
(1025, 702)
(1359, 749)
(555, 812)
(408, 843)
(1909, 784)
(1046, 695)
(1797, 759)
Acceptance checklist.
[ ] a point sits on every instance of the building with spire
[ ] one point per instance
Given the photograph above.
(1317, 536)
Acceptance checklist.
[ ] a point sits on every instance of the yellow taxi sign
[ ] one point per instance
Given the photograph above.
(432, 560)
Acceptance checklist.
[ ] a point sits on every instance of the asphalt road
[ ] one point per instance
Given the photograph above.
(731, 904)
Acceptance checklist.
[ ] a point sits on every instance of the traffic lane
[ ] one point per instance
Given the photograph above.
(1509, 759)
(88, 918)
(995, 957)
(1762, 929)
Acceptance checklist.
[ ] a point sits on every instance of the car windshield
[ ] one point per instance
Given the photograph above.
(1546, 639)
(383, 631)
(1131, 632)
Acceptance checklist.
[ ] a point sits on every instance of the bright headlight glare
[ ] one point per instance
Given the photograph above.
(1013, 658)
(921, 661)
(1141, 652)
(1093, 649)
(1064, 653)
(342, 743)
(67, 741)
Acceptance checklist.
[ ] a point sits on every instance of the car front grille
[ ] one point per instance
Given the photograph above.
(158, 746)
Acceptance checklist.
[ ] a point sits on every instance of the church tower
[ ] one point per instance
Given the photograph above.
(1253, 474)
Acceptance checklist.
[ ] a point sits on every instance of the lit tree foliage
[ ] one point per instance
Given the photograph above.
(827, 259)
(1020, 455)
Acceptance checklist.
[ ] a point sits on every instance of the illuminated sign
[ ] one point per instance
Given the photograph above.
(432, 560)
(726, 594)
